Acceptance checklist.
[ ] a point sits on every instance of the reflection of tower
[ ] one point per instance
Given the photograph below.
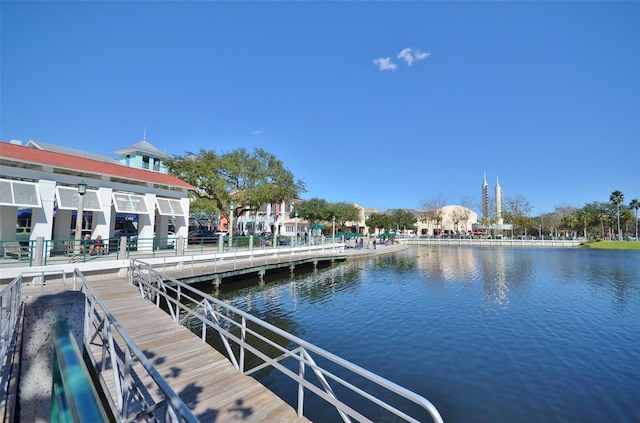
(499, 220)
(485, 198)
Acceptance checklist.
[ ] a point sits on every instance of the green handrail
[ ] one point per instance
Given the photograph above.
(73, 396)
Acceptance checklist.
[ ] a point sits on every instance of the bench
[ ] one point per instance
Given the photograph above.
(13, 248)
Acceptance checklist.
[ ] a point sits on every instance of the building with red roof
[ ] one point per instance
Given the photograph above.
(47, 182)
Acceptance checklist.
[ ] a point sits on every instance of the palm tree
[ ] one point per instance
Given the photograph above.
(635, 204)
(617, 197)
(586, 218)
(602, 217)
(570, 222)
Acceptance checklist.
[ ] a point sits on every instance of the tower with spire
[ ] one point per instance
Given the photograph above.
(485, 198)
(499, 220)
(143, 155)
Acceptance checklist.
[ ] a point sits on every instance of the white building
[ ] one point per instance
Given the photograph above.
(47, 183)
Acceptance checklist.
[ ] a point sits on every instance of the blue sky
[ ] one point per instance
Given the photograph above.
(543, 95)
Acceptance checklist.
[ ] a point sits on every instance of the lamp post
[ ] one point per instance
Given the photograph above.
(333, 231)
(231, 224)
(82, 190)
(296, 234)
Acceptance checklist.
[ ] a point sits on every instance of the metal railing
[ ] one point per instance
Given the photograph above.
(11, 303)
(503, 242)
(127, 363)
(249, 342)
(11, 311)
(118, 354)
(61, 251)
(74, 398)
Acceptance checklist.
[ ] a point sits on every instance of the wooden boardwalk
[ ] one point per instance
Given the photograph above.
(205, 379)
(218, 270)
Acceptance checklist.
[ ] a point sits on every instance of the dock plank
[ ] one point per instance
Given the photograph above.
(203, 377)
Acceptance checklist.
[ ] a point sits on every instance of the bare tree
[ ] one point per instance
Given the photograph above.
(465, 211)
(432, 209)
(517, 210)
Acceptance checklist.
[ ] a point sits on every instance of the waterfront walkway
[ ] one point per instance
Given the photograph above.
(204, 379)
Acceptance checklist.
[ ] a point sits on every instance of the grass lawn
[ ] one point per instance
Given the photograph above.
(614, 245)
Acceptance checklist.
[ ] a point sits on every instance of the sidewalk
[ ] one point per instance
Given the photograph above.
(364, 252)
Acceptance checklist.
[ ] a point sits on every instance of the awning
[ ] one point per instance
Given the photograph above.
(129, 203)
(169, 207)
(67, 199)
(19, 193)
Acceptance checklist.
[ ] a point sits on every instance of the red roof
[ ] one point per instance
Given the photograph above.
(41, 157)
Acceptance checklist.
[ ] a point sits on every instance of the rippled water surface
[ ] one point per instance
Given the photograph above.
(486, 334)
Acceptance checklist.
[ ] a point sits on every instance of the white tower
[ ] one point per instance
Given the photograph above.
(485, 198)
(499, 220)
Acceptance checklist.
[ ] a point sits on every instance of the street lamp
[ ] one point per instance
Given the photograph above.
(82, 190)
(296, 234)
(333, 231)
(231, 224)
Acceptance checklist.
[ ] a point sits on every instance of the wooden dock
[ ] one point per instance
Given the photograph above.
(205, 379)
(217, 271)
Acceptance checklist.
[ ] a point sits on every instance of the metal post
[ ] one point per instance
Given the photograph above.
(231, 224)
(333, 230)
(296, 230)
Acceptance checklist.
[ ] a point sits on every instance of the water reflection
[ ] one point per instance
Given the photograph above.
(495, 280)
(496, 268)
(473, 328)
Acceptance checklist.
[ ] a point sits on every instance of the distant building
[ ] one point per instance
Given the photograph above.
(452, 219)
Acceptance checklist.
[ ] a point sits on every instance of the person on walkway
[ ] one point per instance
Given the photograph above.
(86, 245)
(98, 246)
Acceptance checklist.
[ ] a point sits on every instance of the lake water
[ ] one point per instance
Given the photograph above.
(485, 334)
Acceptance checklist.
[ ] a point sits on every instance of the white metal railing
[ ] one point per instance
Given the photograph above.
(122, 357)
(256, 257)
(504, 242)
(119, 355)
(11, 309)
(244, 335)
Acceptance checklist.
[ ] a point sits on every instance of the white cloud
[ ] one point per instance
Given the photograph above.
(385, 63)
(258, 132)
(420, 55)
(409, 57)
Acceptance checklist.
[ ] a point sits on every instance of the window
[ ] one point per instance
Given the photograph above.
(145, 162)
(156, 165)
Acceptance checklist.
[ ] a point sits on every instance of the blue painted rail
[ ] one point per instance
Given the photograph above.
(74, 398)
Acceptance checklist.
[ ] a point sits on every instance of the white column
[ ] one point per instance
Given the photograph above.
(42, 218)
(8, 220)
(146, 224)
(102, 220)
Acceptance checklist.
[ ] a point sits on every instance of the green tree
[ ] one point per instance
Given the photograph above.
(402, 219)
(343, 212)
(635, 205)
(313, 211)
(602, 217)
(250, 179)
(617, 197)
(570, 222)
(379, 221)
(585, 218)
